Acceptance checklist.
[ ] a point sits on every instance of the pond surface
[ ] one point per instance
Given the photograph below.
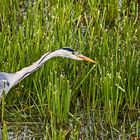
(91, 127)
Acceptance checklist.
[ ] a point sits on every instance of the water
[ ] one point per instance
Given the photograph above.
(93, 126)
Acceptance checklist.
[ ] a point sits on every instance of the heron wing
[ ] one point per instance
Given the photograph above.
(4, 82)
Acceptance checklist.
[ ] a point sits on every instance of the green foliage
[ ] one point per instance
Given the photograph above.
(66, 98)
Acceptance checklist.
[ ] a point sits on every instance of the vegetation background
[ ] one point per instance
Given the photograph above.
(68, 99)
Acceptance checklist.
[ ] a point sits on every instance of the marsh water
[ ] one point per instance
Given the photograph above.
(79, 101)
(89, 127)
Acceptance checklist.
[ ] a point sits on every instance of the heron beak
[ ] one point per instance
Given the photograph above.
(82, 57)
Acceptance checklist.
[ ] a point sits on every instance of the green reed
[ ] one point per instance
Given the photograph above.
(73, 99)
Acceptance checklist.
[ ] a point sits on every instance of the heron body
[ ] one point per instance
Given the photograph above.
(9, 80)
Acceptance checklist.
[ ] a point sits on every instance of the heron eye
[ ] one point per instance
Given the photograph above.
(75, 53)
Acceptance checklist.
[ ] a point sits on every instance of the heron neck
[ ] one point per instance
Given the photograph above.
(23, 73)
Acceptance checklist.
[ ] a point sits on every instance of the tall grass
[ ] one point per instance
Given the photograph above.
(73, 99)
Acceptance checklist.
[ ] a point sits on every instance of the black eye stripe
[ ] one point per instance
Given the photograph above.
(68, 49)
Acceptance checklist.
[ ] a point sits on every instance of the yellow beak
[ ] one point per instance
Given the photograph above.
(82, 57)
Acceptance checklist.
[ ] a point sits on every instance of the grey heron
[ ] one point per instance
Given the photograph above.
(8, 80)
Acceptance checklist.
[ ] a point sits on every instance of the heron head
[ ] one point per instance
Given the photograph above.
(70, 53)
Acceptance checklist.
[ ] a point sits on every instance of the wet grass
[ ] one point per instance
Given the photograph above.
(68, 99)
